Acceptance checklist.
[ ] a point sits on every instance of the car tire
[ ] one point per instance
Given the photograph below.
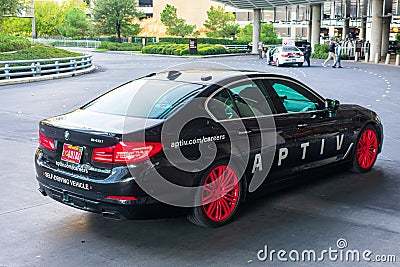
(277, 63)
(300, 64)
(366, 150)
(222, 210)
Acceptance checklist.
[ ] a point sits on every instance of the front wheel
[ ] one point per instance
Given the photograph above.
(219, 196)
(366, 150)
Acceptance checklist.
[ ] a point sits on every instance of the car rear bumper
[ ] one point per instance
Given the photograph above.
(145, 208)
(93, 195)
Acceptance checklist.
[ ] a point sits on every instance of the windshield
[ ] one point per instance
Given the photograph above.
(144, 98)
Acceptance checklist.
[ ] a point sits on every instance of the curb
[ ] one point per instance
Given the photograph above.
(47, 77)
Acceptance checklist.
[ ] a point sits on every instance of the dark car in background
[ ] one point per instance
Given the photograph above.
(106, 156)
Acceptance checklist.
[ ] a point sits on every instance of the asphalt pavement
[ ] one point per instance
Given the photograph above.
(337, 210)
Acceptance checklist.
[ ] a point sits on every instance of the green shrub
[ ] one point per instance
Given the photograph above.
(120, 46)
(13, 43)
(183, 49)
(179, 40)
(320, 48)
(38, 52)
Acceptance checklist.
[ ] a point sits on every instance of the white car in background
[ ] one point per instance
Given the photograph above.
(286, 55)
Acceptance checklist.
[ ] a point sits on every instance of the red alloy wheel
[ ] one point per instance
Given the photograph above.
(367, 149)
(220, 193)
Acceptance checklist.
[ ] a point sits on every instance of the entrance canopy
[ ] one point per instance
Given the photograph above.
(259, 4)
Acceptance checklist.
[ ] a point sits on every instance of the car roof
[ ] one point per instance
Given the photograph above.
(200, 76)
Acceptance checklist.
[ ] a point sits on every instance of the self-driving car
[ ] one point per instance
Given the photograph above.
(199, 142)
(286, 55)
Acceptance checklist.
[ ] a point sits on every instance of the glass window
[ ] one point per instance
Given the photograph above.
(222, 106)
(294, 97)
(250, 100)
(144, 98)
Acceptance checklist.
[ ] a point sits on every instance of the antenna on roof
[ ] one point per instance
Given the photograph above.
(206, 78)
(173, 75)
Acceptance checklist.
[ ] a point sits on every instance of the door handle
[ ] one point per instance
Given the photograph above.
(301, 125)
(244, 132)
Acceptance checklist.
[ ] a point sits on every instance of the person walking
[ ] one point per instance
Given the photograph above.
(260, 50)
(338, 52)
(307, 53)
(331, 55)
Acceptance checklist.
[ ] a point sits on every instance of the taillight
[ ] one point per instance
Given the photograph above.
(122, 198)
(285, 55)
(126, 152)
(302, 55)
(46, 142)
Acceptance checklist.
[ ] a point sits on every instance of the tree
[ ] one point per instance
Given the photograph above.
(116, 16)
(8, 7)
(76, 24)
(268, 34)
(220, 24)
(175, 26)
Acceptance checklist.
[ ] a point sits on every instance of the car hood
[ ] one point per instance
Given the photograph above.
(89, 121)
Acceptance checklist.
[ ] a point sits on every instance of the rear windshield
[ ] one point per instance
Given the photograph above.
(144, 98)
(290, 49)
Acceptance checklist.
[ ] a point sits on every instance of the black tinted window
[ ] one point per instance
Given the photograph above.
(144, 98)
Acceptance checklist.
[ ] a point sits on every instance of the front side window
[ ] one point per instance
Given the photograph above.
(294, 97)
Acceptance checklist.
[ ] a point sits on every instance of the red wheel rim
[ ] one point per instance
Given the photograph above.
(367, 149)
(220, 193)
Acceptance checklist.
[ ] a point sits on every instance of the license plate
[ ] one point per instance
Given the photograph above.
(293, 60)
(72, 153)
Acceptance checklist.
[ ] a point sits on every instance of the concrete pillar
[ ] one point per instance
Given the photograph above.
(376, 28)
(386, 28)
(309, 25)
(363, 28)
(346, 23)
(316, 25)
(256, 30)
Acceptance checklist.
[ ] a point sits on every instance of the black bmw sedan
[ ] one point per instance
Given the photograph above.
(199, 142)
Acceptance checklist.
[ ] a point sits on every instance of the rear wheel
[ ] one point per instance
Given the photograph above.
(366, 150)
(277, 63)
(220, 196)
(300, 64)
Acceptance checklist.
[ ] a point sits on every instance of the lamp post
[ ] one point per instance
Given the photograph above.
(34, 35)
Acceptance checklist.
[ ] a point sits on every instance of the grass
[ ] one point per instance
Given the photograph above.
(38, 52)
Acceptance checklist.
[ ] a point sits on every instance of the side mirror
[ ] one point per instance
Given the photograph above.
(332, 105)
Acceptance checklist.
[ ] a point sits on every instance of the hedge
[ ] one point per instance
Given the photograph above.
(13, 43)
(183, 49)
(179, 40)
(120, 46)
(38, 52)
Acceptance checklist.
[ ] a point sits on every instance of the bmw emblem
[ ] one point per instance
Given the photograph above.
(66, 135)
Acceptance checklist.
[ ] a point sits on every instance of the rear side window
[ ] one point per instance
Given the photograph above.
(144, 98)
